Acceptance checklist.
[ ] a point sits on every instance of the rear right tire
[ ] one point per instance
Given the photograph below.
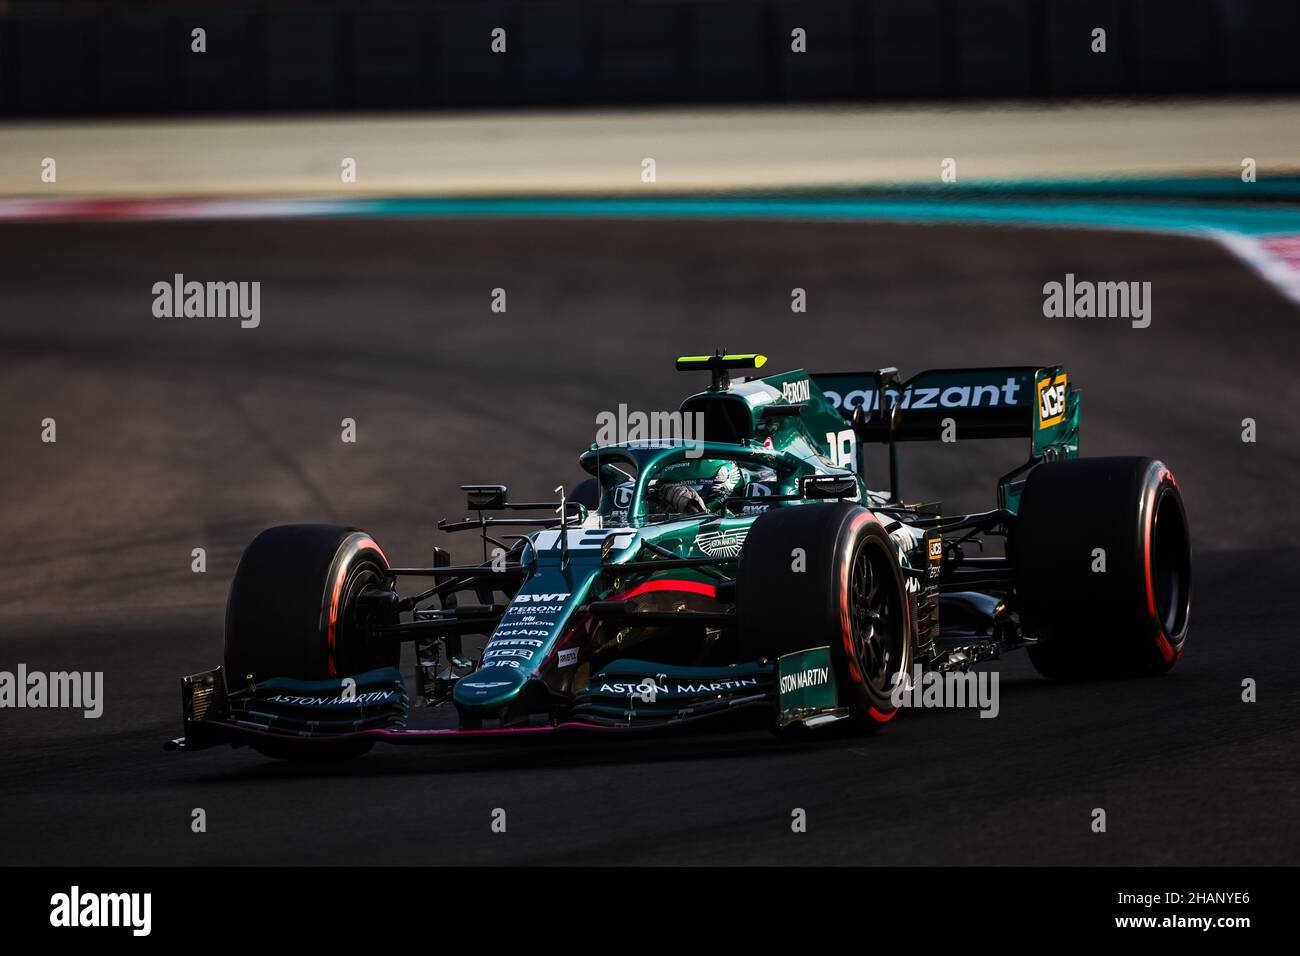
(1103, 567)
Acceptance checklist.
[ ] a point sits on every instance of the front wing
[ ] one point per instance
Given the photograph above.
(627, 697)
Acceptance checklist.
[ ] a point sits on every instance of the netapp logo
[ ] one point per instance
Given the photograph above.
(923, 397)
(75, 909)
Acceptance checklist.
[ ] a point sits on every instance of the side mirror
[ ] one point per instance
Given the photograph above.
(485, 497)
(828, 486)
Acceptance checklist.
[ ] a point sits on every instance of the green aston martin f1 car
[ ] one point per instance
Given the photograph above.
(751, 568)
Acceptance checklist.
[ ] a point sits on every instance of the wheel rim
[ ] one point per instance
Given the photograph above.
(876, 614)
(1170, 565)
(351, 651)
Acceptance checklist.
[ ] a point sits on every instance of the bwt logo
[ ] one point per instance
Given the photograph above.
(76, 909)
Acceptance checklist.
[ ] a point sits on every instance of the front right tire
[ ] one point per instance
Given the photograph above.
(827, 574)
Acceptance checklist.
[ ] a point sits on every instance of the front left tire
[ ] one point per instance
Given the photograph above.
(293, 609)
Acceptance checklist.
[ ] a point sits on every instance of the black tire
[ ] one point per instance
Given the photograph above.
(292, 609)
(781, 610)
(1131, 619)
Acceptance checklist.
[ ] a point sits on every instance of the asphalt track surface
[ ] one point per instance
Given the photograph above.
(182, 433)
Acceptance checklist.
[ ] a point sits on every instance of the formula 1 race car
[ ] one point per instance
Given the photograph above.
(748, 569)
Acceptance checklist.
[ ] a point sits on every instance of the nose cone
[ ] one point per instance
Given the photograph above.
(489, 688)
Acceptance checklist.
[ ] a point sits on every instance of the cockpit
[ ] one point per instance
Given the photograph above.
(641, 485)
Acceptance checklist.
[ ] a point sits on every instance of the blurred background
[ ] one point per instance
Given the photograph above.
(86, 58)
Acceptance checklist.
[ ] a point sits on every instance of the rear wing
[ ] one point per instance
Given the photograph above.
(955, 404)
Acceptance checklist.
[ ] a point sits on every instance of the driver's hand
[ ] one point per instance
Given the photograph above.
(682, 499)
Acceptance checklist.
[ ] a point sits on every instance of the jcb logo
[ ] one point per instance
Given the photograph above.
(1051, 401)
